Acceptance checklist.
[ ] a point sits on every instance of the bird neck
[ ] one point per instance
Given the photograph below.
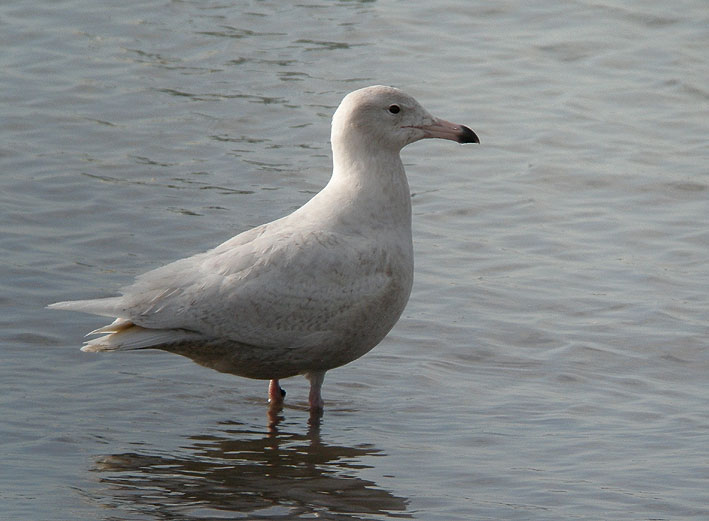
(371, 181)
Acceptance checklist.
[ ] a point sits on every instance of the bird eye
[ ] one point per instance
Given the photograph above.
(394, 109)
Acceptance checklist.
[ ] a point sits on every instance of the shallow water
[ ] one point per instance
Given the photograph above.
(552, 362)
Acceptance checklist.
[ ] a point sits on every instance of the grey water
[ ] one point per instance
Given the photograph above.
(553, 361)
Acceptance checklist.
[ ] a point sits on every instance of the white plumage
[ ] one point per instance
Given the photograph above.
(305, 293)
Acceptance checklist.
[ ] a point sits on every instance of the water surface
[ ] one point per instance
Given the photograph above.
(552, 362)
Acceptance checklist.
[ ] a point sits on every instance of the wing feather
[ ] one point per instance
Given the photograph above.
(279, 289)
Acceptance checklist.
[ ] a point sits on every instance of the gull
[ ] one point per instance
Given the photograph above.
(303, 294)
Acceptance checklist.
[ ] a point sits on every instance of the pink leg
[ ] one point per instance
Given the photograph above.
(275, 393)
(316, 379)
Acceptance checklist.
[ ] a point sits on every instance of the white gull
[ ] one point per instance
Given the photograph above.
(306, 293)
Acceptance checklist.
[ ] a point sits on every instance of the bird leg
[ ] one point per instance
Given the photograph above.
(275, 394)
(314, 398)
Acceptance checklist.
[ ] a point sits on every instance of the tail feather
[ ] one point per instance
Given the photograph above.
(131, 337)
(116, 326)
(123, 334)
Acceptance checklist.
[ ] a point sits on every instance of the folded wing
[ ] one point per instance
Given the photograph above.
(271, 290)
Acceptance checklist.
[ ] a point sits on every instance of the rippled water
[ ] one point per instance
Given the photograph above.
(552, 362)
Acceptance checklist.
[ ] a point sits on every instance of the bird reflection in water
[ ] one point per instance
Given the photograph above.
(268, 475)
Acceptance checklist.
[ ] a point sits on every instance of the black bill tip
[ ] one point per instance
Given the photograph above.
(467, 136)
